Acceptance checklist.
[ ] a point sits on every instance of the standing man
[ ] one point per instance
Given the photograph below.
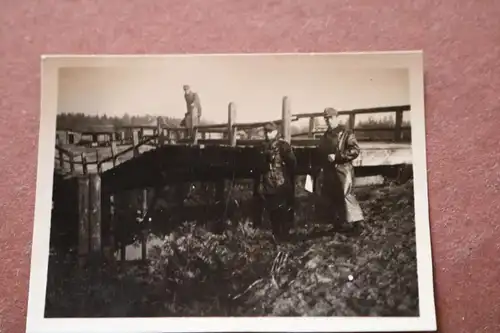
(337, 149)
(193, 107)
(277, 182)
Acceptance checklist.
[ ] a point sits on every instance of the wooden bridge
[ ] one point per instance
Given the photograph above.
(160, 155)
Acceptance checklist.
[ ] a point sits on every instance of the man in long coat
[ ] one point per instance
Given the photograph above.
(193, 106)
(277, 182)
(337, 149)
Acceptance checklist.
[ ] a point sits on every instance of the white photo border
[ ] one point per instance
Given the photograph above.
(36, 323)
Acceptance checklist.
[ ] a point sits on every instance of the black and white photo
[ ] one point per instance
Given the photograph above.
(189, 193)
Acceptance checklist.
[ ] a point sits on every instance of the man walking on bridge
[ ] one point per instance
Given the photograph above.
(337, 149)
(193, 108)
(277, 184)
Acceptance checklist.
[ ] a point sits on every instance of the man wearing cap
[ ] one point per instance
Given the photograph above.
(193, 107)
(337, 149)
(277, 182)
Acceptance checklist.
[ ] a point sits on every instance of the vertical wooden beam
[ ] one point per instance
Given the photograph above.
(84, 163)
(83, 218)
(61, 159)
(112, 221)
(159, 132)
(286, 115)
(135, 142)
(113, 153)
(194, 136)
(95, 214)
(312, 122)
(235, 136)
(71, 163)
(398, 125)
(99, 165)
(144, 233)
(231, 117)
(351, 121)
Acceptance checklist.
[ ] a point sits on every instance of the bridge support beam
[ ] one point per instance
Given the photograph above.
(89, 217)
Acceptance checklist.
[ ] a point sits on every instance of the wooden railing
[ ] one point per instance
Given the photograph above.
(64, 156)
(197, 134)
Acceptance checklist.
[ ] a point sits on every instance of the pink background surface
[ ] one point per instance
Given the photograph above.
(461, 43)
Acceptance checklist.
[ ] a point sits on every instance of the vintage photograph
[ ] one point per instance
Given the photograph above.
(233, 186)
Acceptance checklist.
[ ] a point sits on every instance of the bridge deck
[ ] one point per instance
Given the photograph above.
(174, 163)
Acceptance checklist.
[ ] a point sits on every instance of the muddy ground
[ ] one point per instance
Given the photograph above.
(242, 272)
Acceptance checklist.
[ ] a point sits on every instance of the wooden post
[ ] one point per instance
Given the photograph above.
(135, 142)
(141, 133)
(99, 165)
(159, 132)
(71, 163)
(113, 153)
(144, 235)
(194, 137)
(286, 115)
(83, 218)
(61, 159)
(352, 121)
(398, 125)
(95, 214)
(235, 136)
(84, 163)
(231, 117)
(311, 127)
(112, 244)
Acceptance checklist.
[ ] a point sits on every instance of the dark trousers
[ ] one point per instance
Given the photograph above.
(279, 207)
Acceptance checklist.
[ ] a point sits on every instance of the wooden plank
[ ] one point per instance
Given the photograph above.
(244, 126)
(83, 218)
(95, 214)
(382, 109)
(213, 130)
(209, 127)
(286, 117)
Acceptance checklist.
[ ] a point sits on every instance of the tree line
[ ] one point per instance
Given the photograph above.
(81, 121)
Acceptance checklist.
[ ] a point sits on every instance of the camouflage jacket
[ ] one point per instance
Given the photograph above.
(341, 142)
(280, 163)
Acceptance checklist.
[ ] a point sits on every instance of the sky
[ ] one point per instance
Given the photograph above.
(256, 84)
